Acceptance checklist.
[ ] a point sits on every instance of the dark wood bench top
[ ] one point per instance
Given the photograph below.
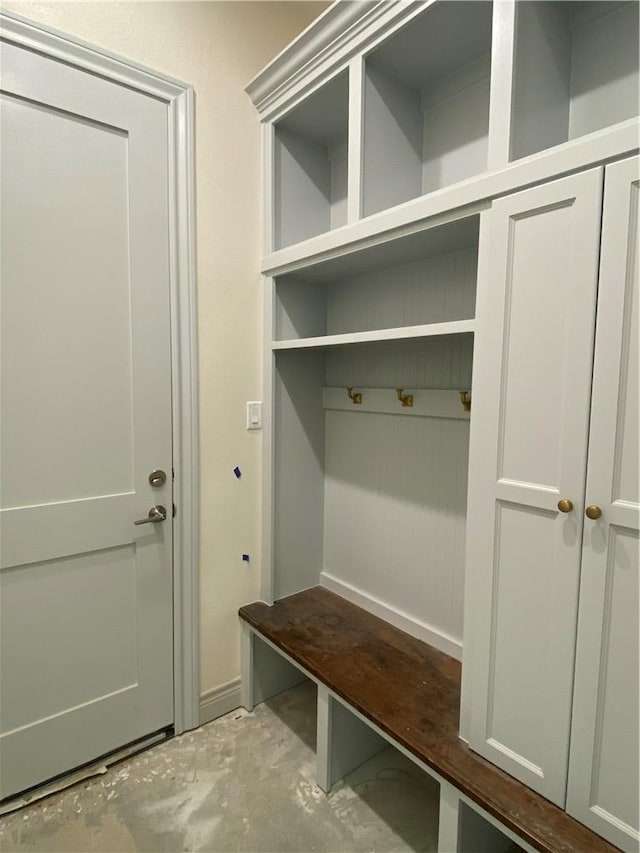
(412, 692)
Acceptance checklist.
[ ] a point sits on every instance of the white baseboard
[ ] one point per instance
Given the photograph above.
(421, 630)
(219, 701)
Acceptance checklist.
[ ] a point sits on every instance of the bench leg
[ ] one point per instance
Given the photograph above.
(265, 673)
(344, 742)
(449, 823)
(246, 666)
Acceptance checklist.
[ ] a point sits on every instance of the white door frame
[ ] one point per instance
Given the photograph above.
(179, 98)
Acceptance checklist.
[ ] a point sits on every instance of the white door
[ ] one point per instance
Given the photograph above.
(605, 750)
(532, 384)
(86, 596)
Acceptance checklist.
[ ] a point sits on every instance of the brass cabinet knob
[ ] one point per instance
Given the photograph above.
(593, 512)
(565, 505)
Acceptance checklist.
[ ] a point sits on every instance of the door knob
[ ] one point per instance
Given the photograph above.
(156, 513)
(565, 505)
(593, 512)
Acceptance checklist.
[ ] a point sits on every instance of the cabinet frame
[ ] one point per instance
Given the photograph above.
(339, 42)
(317, 56)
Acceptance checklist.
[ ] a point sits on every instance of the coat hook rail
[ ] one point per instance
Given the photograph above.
(401, 402)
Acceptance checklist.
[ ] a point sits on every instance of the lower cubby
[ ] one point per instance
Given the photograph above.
(385, 795)
(478, 835)
(377, 685)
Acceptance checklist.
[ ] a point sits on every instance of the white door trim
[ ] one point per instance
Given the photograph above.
(179, 98)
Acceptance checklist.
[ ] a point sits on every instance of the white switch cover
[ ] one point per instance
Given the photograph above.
(254, 415)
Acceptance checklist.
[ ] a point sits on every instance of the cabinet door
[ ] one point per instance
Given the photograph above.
(529, 425)
(603, 770)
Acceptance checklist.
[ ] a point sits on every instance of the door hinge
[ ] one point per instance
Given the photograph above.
(173, 515)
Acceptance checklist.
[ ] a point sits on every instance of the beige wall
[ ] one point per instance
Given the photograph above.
(217, 47)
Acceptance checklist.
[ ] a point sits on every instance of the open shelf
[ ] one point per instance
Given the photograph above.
(453, 327)
(575, 72)
(310, 165)
(414, 286)
(426, 111)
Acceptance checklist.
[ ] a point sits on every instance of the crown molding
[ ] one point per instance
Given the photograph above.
(326, 42)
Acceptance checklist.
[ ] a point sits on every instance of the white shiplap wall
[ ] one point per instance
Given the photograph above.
(443, 362)
(432, 290)
(394, 519)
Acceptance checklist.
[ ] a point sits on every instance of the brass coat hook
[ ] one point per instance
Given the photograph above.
(355, 397)
(465, 399)
(405, 399)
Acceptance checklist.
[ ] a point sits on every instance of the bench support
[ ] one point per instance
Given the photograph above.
(344, 741)
(449, 822)
(265, 672)
(346, 738)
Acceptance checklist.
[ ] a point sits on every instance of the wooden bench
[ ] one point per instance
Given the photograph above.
(377, 684)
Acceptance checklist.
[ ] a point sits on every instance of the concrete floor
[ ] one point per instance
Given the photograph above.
(244, 782)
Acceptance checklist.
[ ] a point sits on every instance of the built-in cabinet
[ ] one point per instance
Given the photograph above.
(604, 748)
(553, 504)
(533, 372)
(450, 202)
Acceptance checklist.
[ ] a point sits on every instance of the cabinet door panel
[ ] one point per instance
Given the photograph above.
(532, 377)
(603, 771)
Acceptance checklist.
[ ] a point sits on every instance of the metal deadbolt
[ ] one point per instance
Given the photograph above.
(157, 479)
(565, 505)
(593, 512)
(156, 513)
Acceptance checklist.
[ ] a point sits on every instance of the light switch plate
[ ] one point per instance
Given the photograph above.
(254, 414)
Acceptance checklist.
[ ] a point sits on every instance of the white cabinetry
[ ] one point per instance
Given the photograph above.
(605, 754)
(530, 546)
(533, 367)
(413, 150)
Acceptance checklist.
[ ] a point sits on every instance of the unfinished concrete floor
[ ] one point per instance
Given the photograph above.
(245, 782)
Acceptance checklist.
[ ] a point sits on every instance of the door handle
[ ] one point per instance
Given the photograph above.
(156, 513)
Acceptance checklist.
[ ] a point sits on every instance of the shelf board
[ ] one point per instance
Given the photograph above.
(428, 330)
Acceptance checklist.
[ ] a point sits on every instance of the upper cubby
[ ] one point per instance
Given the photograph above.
(426, 104)
(310, 165)
(419, 284)
(575, 71)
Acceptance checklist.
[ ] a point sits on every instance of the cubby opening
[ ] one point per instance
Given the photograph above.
(310, 165)
(370, 490)
(296, 708)
(424, 278)
(477, 835)
(576, 71)
(426, 111)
